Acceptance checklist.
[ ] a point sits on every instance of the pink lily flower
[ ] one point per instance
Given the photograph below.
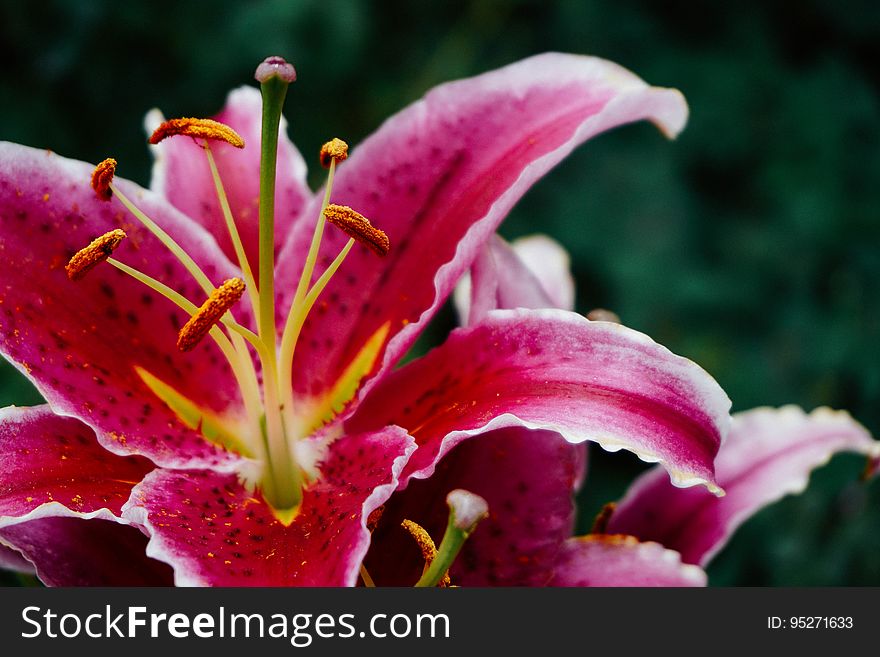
(658, 534)
(256, 453)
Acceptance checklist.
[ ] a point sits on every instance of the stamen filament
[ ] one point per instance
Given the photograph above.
(175, 297)
(167, 240)
(242, 368)
(243, 263)
(368, 581)
(295, 320)
(291, 327)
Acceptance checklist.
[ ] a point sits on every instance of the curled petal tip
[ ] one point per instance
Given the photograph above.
(275, 67)
(468, 509)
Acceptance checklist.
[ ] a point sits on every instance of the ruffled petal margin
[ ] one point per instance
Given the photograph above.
(555, 370)
(215, 533)
(769, 453)
(616, 560)
(61, 496)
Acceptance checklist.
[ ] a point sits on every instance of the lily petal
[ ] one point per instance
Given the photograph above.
(71, 551)
(61, 496)
(79, 342)
(51, 463)
(438, 178)
(528, 479)
(532, 272)
(214, 533)
(181, 174)
(552, 369)
(769, 453)
(615, 560)
(11, 559)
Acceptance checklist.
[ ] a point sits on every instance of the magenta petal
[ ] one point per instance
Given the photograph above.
(614, 560)
(52, 465)
(552, 369)
(438, 178)
(79, 342)
(70, 551)
(11, 559)
(532, 272)
(768, 454)
(61, 494)
(528, 479)
(182, 175)
(213, 532)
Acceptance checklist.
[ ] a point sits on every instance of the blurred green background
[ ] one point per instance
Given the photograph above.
(751, 244)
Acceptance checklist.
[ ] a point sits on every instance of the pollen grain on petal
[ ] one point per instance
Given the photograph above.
(220, 300)
(197, 129)
(102, 176)
(95, 253)
(357, 226)
(334, 150)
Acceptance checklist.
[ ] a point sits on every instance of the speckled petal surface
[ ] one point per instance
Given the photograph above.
(79, 341)
(769, 453)
(438, 178)
(615, 560)
(214, 533)
(46, 459)
(61, 496)
(528, 479)
(552, 369)
(182, 175)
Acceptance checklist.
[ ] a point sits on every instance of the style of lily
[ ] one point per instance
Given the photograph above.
(219, 418)
(658, 534)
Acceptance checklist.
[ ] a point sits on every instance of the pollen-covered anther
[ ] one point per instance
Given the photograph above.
(102, 176)
(334, 150)
(197, 129)
(220, 300)
(426, 545)
(94, 254)
(359, 227)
